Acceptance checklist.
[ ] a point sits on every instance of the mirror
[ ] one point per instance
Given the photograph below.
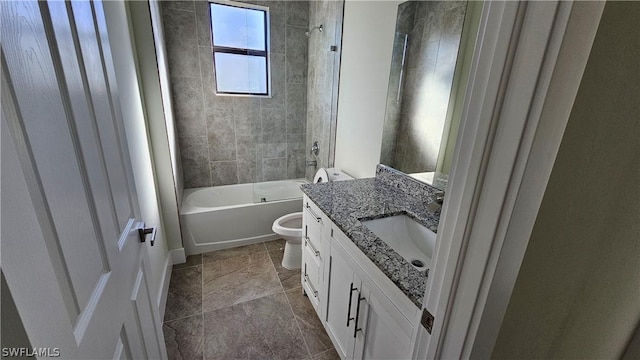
(431, 57)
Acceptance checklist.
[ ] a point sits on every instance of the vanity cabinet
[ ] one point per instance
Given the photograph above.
(313, 229)
(361, 320)
(365, 314)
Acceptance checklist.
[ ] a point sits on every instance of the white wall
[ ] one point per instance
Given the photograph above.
(120, 36)
(163, 74)
(367, 41)
(163, 140)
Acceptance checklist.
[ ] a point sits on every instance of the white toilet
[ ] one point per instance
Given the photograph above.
(290, 226)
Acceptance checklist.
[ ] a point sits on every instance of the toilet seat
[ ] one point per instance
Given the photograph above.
(289, 225)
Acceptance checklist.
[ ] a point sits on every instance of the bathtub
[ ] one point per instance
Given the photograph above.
(228, 216)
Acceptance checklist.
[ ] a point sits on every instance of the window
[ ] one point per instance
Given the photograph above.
(240, 48)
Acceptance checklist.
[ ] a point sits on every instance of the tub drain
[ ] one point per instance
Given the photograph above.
(417, 263)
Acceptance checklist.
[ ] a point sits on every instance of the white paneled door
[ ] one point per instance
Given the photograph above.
(71, 253)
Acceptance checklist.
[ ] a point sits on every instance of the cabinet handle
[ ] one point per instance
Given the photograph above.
(356, 328)
(349, 318)
(306, 279)
(308, 243)
(313, 213)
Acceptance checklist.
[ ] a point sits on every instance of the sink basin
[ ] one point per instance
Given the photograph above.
(413, 241)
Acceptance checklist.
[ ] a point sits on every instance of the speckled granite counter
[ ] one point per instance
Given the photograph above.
(388, 194)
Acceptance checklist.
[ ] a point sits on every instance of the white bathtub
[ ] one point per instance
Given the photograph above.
(222, 217)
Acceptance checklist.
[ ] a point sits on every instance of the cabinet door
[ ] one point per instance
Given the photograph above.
(385, 333)
(342, 294)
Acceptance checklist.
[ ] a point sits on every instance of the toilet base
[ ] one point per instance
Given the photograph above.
(292, 258)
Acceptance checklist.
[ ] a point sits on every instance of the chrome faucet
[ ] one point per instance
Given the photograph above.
(315, 148)
(436, 204)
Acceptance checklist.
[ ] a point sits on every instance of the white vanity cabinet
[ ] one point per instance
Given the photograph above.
(361, 320)
(364, 313)
(313, 244)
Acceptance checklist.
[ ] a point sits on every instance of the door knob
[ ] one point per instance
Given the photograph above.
(144, 231)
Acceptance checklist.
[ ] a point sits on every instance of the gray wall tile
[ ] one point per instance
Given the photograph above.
(247, 172)
(293, 138)
(274, 169)
(296, 108)
(296, 160)
(203, 22)
(247, 146)
(273, 5)
(298, 13)
(258, 159)
(277, 82)
(297, 51)
(182, 47)
(187, 100)
(321, 79)
(277, 32)
(273, 125)
(178, 4)
(224, 172)
(234, 139)
(276, 150)
(221, 134)
(248, 116)
(195, 160)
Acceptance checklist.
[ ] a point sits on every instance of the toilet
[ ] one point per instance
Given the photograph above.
(289, 226)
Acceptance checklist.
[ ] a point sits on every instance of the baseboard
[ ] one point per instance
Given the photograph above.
(164, 289)
(178, 256)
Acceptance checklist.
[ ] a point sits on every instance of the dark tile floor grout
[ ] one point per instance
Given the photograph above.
(256, 294)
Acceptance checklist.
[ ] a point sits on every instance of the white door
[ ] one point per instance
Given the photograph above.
(71, 253)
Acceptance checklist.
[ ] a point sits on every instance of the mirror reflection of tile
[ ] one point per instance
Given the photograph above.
(418, 115)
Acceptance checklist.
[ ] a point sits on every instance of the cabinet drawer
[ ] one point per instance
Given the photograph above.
(311, 273)
(314, 212)
(312, 237)
(310, 252)
(313, 299)
(311, 283)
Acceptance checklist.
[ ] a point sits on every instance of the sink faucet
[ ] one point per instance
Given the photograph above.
(436, 204)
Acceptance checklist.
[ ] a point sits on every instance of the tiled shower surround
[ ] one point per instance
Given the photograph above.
(229, 140)
(323, 76)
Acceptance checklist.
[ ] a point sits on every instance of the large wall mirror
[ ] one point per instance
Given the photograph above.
(432, 52)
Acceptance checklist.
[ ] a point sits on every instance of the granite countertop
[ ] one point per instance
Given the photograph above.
(348, 202)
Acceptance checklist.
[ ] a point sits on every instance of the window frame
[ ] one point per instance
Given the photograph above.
(266, 54)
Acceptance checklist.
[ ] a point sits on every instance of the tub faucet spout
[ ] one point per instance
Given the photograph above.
(311, 163)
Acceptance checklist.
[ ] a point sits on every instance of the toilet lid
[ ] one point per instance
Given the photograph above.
(321, 176)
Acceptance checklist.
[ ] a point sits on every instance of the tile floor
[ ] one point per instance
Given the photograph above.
(242, 304)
